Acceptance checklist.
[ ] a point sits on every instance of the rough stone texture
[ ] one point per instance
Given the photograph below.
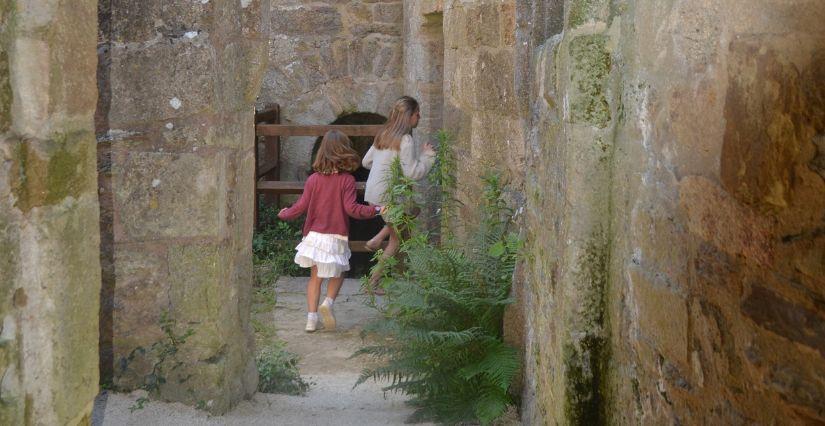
(674, 212)
(49, 246)
(329, 58)
(480, 101)
(178, 81)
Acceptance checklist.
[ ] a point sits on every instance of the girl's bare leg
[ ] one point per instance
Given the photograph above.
(392, 248)
(334, 286)
(375, 242)
(314, 290)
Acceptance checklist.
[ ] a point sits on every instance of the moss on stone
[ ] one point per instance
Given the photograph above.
(67, 170)
(586, 358)
(582, 11)
(591, 67)
(5, 92)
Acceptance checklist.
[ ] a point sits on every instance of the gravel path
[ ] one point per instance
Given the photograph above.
(331, 399)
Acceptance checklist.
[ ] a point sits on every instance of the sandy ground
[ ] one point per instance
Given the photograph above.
(331, 399)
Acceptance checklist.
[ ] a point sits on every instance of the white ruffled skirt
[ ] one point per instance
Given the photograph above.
(329, 252)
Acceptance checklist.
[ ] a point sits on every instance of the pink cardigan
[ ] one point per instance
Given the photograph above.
(328, 201)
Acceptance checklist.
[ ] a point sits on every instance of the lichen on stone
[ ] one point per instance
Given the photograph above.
(591, 67)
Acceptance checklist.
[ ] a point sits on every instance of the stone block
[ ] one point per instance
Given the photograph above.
(390, 13)
(773, 109)
(494, 86)
(591, 65)
(59, 354)
(455, 24)
(168, 195)
(662, 316)
(791, 321)
(801, 386)
(30, 66)
(162, 81)
(46, 172)
(334, 56)
(584, 11)
(144, 21)
(716, 217)
(482, 24)
(507, 18)
(306, 19)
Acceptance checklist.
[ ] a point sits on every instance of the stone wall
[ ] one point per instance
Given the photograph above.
(674, 209)
(175, 129)
(49, 270)
(481, 106)
(329, 58)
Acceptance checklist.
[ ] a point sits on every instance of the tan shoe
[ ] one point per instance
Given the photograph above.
(327, 316)
(312, 325)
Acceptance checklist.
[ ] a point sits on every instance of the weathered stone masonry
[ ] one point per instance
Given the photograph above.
(674, 213)
(49, 270)
(329, 58)
(175, 128)
(672, 194)
(665, 159)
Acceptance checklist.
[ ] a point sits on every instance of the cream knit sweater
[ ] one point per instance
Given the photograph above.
(415, 164)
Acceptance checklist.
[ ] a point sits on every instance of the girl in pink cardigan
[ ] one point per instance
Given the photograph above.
(328, 201)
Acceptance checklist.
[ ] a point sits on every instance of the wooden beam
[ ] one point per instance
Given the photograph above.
(270, 114)
(265, 168)
(361, 246)
(298, 130)
(287, 187)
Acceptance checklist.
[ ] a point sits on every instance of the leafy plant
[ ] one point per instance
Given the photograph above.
(273, 247)
(443, 178)
(439, 336)
(278, 371)
(165, 355)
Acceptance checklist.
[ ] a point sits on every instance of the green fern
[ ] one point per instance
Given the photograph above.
(439, 336)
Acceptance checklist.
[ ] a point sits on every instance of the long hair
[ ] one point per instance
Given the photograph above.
(336, 155)
(399, 124)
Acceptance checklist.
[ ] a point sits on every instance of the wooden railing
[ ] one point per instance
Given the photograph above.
(267, 168)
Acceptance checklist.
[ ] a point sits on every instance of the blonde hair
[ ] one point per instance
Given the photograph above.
(398, 125)
(335, 154)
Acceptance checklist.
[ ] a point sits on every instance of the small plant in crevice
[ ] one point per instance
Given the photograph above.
(439, 335)
(164, 354)
(443, 178)
(273, 247)
(278, 371)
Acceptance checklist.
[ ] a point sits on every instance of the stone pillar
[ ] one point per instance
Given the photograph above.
(175, 131)
(49, 235)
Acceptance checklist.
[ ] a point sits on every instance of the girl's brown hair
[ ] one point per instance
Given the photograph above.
(399, 124)
(335, 154)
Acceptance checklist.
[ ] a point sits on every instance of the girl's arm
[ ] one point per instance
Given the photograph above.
(367, 161)
(353, 209)
(301, 206)
(412, 166)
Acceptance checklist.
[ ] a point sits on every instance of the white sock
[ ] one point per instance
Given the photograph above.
(328, 301)
(312, 316)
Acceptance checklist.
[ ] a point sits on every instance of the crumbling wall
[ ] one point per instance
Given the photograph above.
(329, 58)
(175, 135)
(674, 214)
(49, 235)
